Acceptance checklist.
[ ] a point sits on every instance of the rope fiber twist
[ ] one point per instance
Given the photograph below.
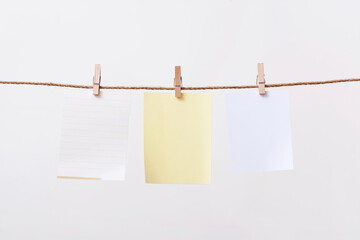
(50, 84)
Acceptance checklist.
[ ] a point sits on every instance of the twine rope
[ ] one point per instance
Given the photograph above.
(50, 84)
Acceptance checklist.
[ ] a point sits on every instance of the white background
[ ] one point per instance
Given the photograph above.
(216, 43)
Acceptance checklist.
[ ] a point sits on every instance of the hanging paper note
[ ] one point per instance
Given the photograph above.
(177, 138)
(259, 130)
(94, 136)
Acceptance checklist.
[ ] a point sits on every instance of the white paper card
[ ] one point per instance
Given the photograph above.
(259, 131)
(94, 135)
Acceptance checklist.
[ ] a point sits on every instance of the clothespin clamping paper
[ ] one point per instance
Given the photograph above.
(96, 80)
(260, 80)
(178, 81)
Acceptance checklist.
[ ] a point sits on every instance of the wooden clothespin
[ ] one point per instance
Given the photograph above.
(260, 80)
(96, 80)
(177, 81)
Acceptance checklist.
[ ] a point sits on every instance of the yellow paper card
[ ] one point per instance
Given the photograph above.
(177, 138)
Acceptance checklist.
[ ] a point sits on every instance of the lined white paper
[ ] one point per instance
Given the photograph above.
(94, 135)
(259, 131)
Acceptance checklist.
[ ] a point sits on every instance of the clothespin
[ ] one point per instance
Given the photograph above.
(96, 80)
(177, 81)
(260, 80)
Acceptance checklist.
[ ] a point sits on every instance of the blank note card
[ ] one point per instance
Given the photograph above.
(177, 138)
(94, 136)
(259, 130)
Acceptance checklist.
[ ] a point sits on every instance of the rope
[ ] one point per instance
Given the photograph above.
(184, 88)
